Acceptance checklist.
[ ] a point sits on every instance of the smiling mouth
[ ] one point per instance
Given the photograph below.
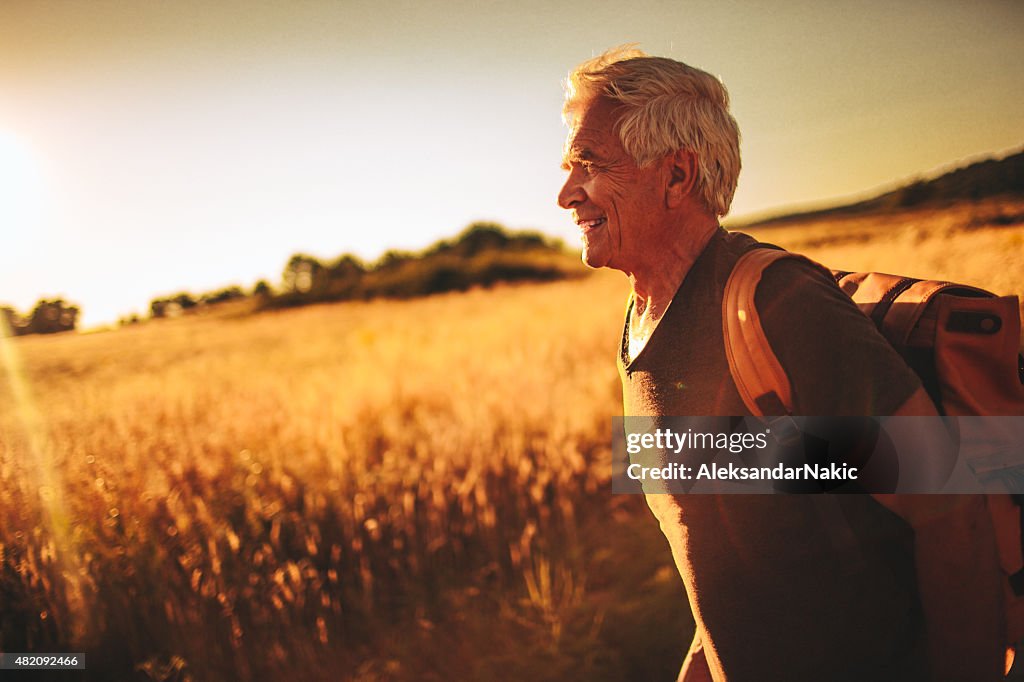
(588, 225)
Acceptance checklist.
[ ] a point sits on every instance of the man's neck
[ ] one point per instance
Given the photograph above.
(656, 283)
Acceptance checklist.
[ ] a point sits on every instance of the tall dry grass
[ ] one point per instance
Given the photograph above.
(384, 490)
(355, 489)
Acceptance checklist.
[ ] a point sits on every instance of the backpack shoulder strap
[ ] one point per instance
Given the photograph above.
(756, 371)
(897, 305)
(759, 376)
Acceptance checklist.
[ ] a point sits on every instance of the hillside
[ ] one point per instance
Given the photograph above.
(984, 179)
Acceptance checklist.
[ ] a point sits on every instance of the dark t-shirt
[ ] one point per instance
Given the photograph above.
(837, 362)
(784, 587)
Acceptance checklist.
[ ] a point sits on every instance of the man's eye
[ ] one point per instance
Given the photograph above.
(588, 166)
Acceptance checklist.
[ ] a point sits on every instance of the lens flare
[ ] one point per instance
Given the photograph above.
(44, 475)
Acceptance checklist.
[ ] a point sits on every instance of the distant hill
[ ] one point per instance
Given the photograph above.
(483, 254)
(979, 180)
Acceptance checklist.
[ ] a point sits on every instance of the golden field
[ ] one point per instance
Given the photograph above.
(386, 490)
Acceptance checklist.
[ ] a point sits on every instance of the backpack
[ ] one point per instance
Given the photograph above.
(961, 341)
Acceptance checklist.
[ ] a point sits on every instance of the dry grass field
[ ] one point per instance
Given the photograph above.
(373, 491)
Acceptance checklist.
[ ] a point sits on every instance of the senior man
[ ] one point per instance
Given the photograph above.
(814, 587)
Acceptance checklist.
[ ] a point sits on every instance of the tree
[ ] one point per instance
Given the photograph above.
(158, 308)
(184, 300)
(304, 275)
(345, 277)
(393, 259)
(50, 317)
(222, 295)
(479, 237)
(262, 289)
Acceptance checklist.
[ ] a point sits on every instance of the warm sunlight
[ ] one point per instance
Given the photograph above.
(21, 185)
(304, 374)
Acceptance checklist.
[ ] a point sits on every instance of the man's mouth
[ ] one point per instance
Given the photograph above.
(588, 225)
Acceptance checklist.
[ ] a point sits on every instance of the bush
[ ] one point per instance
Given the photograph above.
(482, 255)
(48, 317)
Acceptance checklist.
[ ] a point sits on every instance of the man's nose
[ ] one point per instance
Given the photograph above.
(571, 194)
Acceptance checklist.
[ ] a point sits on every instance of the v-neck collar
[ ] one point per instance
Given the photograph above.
(624, 358)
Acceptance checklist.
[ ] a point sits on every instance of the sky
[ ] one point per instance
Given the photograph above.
(154, 146)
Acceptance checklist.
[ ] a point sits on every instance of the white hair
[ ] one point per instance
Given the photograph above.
(667, 105)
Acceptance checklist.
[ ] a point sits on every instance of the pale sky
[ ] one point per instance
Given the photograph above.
(155, 146)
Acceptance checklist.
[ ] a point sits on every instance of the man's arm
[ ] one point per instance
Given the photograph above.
(959, 581)
(958, 575)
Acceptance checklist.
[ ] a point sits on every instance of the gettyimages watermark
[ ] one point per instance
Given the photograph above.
(695, 455)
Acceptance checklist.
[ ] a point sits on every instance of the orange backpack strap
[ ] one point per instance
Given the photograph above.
(759, 377)
(896, 303)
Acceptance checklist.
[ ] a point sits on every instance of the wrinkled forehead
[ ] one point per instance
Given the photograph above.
(594, 125)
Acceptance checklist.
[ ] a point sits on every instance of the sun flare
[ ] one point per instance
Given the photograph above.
(21, 185)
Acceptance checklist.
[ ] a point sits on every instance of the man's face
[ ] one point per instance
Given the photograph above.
(615, 203)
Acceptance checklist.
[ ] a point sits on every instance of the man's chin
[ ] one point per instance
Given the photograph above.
(597, 251)
(594, 259)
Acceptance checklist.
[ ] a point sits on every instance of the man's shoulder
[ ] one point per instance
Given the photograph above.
(733, 244)
(786, 284)
(705, 281)
(834, 356)
(800, 275)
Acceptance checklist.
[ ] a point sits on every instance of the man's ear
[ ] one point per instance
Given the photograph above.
(682, 167)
